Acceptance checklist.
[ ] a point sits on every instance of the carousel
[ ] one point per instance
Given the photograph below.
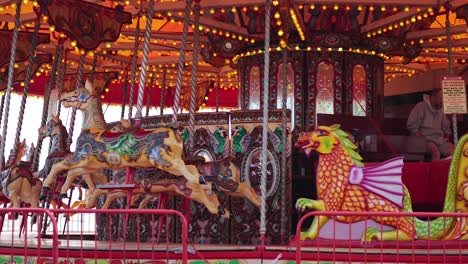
(246, 131)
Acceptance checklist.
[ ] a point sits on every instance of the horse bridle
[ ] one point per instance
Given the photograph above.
(81, 98)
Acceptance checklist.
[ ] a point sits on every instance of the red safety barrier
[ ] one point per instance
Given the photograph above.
(334, 245)
(123, 234)
(18, 240)
(117, 235)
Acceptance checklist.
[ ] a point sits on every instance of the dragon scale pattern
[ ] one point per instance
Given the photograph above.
(339, 195)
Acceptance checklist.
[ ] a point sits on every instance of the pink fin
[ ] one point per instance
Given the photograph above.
(383, 179)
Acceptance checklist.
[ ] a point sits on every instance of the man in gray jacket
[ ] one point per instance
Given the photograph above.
(427, 119)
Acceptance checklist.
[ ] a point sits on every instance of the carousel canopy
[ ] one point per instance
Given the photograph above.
(411, 36)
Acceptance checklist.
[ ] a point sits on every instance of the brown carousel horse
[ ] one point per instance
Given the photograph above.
(99, 148)
(18, 183)
(224, 177)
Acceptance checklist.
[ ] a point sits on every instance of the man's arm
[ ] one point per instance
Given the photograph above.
(446, 126)
(415, 119)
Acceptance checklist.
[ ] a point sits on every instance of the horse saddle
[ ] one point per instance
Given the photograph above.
(23, 171)
(110, 137)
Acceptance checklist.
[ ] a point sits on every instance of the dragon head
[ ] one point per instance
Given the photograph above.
(324, 139)
(321, 140)
(79, 98)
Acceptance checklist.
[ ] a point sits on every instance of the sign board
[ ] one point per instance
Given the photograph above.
(454, 95)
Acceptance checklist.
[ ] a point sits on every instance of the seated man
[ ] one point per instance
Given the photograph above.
(428, 120)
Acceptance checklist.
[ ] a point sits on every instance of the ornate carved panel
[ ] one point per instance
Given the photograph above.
(23, 47)
(325, 85)
(246, 147)
(87, 23)
(462, 12)
(101, 81)
(254, 88)
(204, 227)
(359, 90)
(202, 90)
(325, 88)
(20, 72)
(294, 80)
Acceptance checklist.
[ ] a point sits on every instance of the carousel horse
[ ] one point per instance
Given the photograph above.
(18, 183)
(60, 151)
(224, 177)
(99, 148)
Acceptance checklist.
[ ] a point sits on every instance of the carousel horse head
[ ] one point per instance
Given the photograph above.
(21, 150)
(18, 153)
(79, 98)
(49, 129)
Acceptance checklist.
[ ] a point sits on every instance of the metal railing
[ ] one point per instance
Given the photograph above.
(340, 243)
(112, 243)
(29, 246)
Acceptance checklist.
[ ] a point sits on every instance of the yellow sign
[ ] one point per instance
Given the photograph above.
(454, 95)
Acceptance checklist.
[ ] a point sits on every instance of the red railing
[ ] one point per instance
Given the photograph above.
(335, 247)
(113, 243)
(119, 241)
(20, 245)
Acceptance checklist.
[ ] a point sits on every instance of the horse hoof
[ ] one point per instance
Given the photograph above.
(63, 195)
(45, 189)
(43, 196)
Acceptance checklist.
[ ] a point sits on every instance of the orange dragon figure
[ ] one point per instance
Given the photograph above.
(344, 184)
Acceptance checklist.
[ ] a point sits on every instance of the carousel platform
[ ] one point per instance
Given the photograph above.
(76, 250)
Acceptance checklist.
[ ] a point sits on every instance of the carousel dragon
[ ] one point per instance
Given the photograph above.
(99, 148)
(344, 184)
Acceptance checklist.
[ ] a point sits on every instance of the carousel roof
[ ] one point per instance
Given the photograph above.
(409, 35)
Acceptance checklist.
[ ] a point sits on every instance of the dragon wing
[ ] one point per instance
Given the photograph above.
(383, 179)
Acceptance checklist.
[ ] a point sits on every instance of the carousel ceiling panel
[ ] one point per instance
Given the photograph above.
(89, 24)
(19, 73)
(23, 47)
(232, 27)
(101, 81)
